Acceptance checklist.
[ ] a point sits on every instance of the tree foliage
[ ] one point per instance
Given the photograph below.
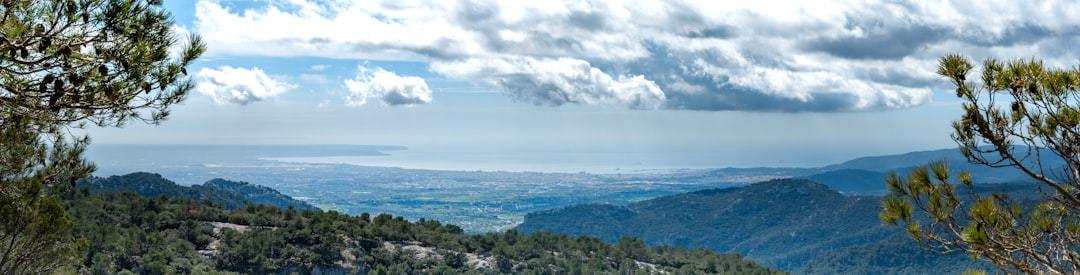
(1020, 114)
(66, 64)
(100, 61)
(163, 235)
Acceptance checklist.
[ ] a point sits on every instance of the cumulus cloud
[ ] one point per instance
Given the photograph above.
(701, 55)
(387, 86)
(557, 81)
(238, 85)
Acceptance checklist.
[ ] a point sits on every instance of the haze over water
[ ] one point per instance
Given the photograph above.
(564, 159)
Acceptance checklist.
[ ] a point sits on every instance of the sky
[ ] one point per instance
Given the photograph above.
(748, 83)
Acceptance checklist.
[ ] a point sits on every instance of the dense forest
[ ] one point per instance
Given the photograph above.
(793, 224)
(229, 194)
(895, 254)
(129, 233)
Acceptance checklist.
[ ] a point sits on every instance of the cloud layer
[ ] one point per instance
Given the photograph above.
(702, 55)
(242, 86)
(557, 81)
(387, 86)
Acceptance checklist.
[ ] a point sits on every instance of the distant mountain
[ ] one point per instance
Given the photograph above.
(888, 163)
(852, 180)
(229, 194)
(866, 175)
(902, 163)
(786, 223)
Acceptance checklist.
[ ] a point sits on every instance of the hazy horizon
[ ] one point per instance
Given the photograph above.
(548, 160)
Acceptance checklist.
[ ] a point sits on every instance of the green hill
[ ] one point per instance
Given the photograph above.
(230, 194)
(172, 233)
(786, 223)
(255, 194)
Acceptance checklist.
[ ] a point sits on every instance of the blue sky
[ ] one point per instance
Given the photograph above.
(749, 83)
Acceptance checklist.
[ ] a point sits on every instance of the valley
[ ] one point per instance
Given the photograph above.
(809, 220)
(478, 201)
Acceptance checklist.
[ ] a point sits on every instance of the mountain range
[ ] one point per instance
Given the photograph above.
(792, 224)
(866, 175)
(821, 220)
(142, 223)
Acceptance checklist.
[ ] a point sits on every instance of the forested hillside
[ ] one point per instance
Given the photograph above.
(229, 194)
(128, 233)
(852, 181)
(895, 254)
(788, 224)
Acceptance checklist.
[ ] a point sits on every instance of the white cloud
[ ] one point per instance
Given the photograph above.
(557, 81)
(387, 86)
(238, 85)
(706, 55)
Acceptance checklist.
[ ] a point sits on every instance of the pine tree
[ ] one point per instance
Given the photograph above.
(1021, 114)
(67, 64)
